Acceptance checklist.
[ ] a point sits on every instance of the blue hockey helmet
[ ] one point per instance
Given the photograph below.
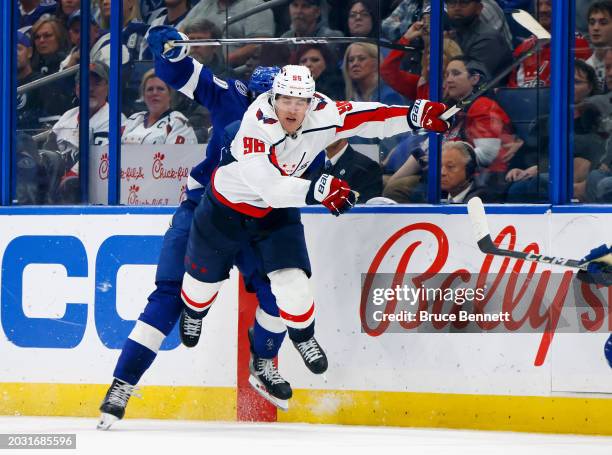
(262, 78)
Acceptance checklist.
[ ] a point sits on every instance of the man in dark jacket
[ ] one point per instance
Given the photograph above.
(363, 174)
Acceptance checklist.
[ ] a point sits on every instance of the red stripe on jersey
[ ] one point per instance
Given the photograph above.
(240, 207)
(297, 318)
(353, 120)
(274, 160)
(202, 305)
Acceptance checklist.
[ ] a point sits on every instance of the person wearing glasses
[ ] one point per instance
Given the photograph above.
(363, 19)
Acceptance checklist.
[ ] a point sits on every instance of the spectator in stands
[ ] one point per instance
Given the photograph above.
(529, 170)
(363, 174)
(458, 167)
(603, 102)
(411, 85)
(306, 20)
(29, 104)
(484, 124)
(321, 61)
(148, 7)
(158, 124)
(363, 18)
(598, 186)
(133, 31)
(74, 36)
(478, 39)
(360, 71)
(30, 11)
(50, 44)
(173, 13)
(210, 56)
(600, 35)
(260, 25)
(65, 8)
(60, 159)
(535, 70)
(409, 11)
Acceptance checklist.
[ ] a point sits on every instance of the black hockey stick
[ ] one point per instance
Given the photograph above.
(288, 40)
(526, 20)
(478, 218)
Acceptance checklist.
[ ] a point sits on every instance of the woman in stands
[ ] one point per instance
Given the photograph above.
(321, 62)
(50, 44)
(159, 124)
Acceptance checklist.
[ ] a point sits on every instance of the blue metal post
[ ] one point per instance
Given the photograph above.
(84, 102)
(114, 140)
(7, 133)
(561, 124)
(435, 79)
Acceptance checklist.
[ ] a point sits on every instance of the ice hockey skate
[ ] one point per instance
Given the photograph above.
(115, 401)
(190, 329)
(267, 381)
(313, 355)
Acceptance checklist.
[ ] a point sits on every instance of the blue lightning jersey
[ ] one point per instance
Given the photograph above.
(227, 102)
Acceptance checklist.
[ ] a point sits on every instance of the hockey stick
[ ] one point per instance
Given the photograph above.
(526, 20)
(478, 218)
(288, 40)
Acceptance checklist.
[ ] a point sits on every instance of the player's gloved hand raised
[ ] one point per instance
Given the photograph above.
(426, 114)
(333, 193)
(158, 36)
(599, 270)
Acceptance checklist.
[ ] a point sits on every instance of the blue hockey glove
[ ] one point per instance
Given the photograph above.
(158, 36)
(599, 270)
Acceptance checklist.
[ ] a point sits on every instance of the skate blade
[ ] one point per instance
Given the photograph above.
(261, 390)
(106, 421)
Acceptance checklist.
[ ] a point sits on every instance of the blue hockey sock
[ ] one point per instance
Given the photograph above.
(266, 344)
(134, 360)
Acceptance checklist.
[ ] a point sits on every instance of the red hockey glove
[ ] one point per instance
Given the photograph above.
(425, 114)
(333, 193)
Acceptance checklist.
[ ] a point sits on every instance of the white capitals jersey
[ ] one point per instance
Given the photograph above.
(269, 162)
(171, 128)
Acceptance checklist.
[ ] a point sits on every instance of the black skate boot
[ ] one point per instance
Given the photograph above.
(312, 354)
(115, 401)
(190, 329)
(267, 381)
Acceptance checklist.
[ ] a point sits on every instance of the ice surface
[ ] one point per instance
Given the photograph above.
(145, 437)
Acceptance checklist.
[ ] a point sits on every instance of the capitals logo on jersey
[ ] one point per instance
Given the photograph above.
(321, 103)
(267, 120)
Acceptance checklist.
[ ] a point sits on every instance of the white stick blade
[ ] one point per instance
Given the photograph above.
(528, 21)
(449, 113)
(478, 218)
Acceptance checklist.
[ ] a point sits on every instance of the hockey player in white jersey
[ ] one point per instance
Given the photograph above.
(280, 135)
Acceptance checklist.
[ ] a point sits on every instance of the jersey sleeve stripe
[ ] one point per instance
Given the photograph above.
(192, 83)
(241, 207)
(380, 114)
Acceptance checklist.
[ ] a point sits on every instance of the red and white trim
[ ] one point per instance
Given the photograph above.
(240, 207)
(298, 321)
(199, 295)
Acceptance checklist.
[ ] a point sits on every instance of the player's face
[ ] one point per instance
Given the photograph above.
(45, 40)
(314, 61)
(304, 15)
(291, 112)
(545, 13)
(600, 29)
(359, 20)
(360, 64)
(459, 83)
(156, 96)
(452, 175)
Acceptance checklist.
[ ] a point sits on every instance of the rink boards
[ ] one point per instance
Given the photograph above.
(74, 281)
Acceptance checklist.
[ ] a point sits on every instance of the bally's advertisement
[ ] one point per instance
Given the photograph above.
(420, 327)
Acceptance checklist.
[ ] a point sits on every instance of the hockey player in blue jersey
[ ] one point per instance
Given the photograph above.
(227, 101)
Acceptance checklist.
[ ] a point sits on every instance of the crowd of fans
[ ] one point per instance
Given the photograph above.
(489, 151)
